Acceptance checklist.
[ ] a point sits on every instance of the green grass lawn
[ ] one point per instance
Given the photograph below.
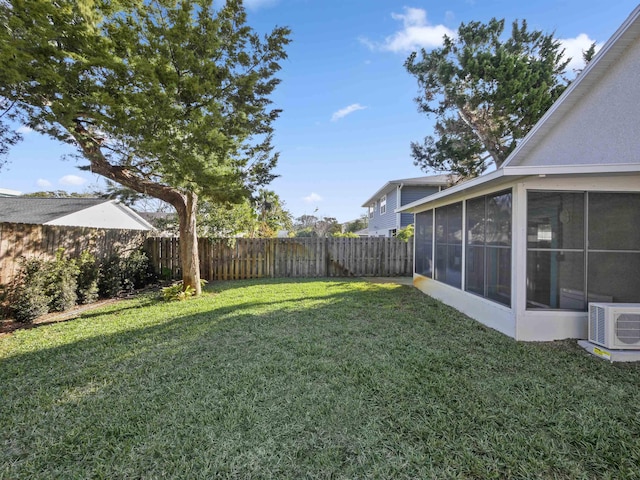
(307, 379)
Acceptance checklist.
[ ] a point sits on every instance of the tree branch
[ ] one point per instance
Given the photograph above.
(122, 175)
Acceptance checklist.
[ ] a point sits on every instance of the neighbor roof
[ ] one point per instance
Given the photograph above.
(38, 211)
(79, 212)
(5, 192)
(428, 181)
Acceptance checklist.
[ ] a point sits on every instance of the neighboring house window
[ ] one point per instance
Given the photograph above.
(569, 265)
(448, 258)
(424, 243)
(393, 232)
(383, 205)
(371, 210)
(488, 251)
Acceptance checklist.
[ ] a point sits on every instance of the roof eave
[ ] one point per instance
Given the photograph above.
(408, 182)
(130, 212)
(473, 184)
(379, 193)
(529, 170)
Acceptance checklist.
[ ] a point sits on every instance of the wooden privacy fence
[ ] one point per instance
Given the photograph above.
(243, 258)
(19, 240)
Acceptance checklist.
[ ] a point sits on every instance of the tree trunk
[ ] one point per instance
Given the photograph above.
(189, 244)
(185, 204)
(483, 133)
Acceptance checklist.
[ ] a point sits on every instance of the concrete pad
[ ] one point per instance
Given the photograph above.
(609, 354)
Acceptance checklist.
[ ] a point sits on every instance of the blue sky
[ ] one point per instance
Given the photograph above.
(348, 111)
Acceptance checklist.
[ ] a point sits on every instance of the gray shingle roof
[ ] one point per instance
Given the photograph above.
(42, 210)
(431, 180)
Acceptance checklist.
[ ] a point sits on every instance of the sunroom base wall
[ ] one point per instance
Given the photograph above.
(544, 326)
(528, 325)
(491, 314)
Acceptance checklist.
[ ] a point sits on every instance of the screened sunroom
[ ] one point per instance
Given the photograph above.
(527, 259)
(525, 248)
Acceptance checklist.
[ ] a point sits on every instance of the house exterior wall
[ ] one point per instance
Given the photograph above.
(517, 321)
(380, 225)
(602, 128)
(488, 313)
(410, 194)
(104, 215)
(406, 219)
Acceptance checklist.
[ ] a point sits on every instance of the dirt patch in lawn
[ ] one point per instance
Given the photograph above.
(10, 325)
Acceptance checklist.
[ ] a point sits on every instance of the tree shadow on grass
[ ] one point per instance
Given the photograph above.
(142, 387)
(352, 381)
(80, 311)
(8, 326)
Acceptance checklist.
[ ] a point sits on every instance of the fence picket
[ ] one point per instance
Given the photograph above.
(219, 259)
(23, 240)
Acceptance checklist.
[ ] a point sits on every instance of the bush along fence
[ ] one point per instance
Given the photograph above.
(245, 258)
(47, 268)
(18, 241)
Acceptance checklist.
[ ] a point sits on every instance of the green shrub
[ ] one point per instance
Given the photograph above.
(166, 273)
(28, 299)
(110, 278)
(406, 233)
(44, 286)
(88, 273)
(61, 278)
(119, 273)
(136, 270)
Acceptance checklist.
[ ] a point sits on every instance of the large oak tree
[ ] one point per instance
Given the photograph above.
(167, 97)
(485, 93)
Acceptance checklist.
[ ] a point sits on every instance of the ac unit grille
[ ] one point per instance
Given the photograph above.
(597, 326)
(627, 326)
(615, 325)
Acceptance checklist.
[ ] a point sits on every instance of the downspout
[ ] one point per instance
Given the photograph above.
(399, 204)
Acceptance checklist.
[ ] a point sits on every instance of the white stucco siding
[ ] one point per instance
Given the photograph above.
(602, 128)
(627, 182)
(105, 215)
(545, 326)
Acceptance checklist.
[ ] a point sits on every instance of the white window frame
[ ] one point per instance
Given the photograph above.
(383, 205)
(372, 209)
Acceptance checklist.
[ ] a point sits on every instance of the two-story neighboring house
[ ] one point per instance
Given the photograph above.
(383, 220)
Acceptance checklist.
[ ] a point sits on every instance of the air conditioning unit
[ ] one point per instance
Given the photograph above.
(615, 325)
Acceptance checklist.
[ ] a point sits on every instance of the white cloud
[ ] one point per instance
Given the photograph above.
(416, 33)
(354, 107)
(368, 43)
(314, 197)
(42, 183)
(72, 180)
(573, 49)
(257, 4)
